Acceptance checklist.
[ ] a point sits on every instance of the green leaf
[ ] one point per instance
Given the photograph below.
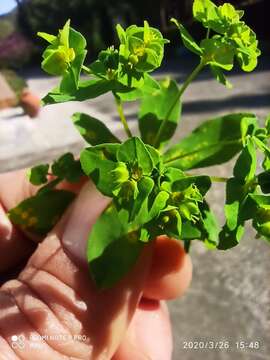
(158, 204)
(145, 186)
(149, 87)
(77, 41)
(202, 182)
(70, 80)
(133, 151)
(252, 204)
(48, 37)
(98, 163)
(87, 90)
(245, 166)
(229, 239)
(38, 214)
(112, 250)
(210, 226)
(190, 231)
(188, 41)
(264, 181)
(267, 124)
(130, 77)
(235, 194)
(50, 185)
(93, 130)
(154, 110)
(214, 142)
(38, 174)
(219, 75)
(155, 155)
(66, 167)
(205, 11)
(174, 227)
(218, 52)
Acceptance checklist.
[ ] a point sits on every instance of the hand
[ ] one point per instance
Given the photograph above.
(54, 298)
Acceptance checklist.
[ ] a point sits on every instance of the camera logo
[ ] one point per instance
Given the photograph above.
(18, 342)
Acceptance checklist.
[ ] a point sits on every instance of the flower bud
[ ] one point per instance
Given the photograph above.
(133, 59)
(142, 47)
(56, 61)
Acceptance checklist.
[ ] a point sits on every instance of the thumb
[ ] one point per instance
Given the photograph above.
(55, 301)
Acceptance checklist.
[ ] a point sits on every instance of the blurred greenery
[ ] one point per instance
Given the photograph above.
(6, 28)
(96, 19)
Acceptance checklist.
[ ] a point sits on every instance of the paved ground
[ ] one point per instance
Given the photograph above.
(229, 297)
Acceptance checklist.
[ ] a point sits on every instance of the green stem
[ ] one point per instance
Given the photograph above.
(190, 78)
(87, 70)
(219, 179)
(123, 119)
(213, 178)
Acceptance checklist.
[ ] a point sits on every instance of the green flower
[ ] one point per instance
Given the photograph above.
(186, 202)
(246, 45)
(216, 18)
(60, 54)
(235, 38)
(141, 47)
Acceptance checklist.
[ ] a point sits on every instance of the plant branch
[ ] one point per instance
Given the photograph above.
(123, 119)
(213, 178)
(189, 79)
(87, 70)
(219, 179)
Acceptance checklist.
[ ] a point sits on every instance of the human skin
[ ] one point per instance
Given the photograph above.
(54, 294)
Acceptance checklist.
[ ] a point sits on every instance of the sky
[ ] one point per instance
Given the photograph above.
(6, 6)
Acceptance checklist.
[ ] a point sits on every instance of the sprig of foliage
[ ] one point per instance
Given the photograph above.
(151, 191)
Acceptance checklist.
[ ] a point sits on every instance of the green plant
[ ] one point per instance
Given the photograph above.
(152, 193)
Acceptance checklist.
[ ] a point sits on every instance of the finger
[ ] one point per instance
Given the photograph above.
(15, 187)
(149, 335)
(54, 284)
(14, 244)
(171, 270)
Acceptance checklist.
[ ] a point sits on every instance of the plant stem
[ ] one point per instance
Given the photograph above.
(86, 69)
(189, 79)
(219, 179)
(213, 178)
(123, 119)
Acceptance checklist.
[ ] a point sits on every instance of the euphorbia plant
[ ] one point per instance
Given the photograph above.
(152, 186)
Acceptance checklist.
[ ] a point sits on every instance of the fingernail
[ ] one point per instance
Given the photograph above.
(5, 225)
(84, 213)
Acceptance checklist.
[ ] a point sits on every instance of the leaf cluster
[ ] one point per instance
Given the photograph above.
(228, 38)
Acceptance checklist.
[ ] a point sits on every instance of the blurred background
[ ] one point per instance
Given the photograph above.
(229, 298)
(20, 20)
